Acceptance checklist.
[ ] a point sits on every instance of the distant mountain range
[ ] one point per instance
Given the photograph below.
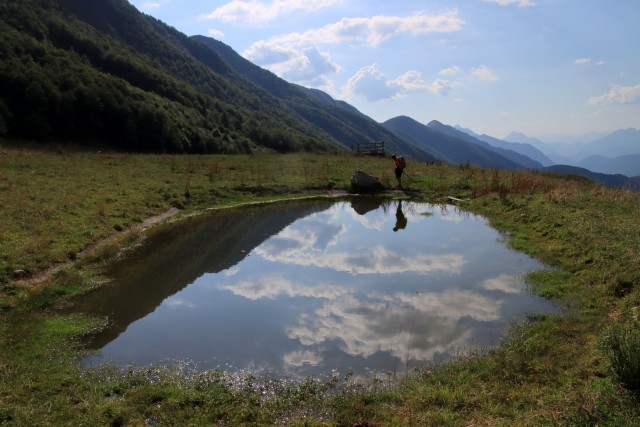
(525, 149)
(628, 165)
(615, 180)
(619, 143)
(460, 145)
(614, 153)
(453, 146)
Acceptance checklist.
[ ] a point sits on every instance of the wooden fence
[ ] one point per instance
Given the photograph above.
(371, 148)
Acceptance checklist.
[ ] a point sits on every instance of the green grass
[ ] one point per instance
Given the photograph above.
(574, 369)
(622, 341)
(56, 203)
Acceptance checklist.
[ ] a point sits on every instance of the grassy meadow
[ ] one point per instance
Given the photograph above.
(58, 202)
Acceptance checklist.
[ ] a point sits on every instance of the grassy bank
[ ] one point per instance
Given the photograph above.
(575, 369)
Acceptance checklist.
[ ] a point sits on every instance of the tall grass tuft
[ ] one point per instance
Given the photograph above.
(622, 344)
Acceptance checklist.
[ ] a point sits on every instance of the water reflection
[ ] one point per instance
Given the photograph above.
(401, 220)
(310, 287)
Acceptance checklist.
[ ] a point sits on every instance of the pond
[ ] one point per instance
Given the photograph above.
(308, 287)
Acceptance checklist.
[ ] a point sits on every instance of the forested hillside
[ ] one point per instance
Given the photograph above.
(102, 72)
(62, 79)
(339, 119)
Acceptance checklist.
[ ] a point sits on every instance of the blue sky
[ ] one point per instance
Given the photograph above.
(546, 68)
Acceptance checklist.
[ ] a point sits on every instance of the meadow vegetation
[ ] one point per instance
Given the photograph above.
(578, 368)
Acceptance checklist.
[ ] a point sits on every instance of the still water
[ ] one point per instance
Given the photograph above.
(304, 288)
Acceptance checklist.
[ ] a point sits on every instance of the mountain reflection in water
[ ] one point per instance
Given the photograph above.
(307, 287)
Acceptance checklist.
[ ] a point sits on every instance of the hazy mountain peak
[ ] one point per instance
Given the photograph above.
(522, 138)
(466, 130)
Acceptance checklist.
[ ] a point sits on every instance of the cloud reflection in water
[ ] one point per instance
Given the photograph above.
(339, 289)
(361, 321)
(310, 243)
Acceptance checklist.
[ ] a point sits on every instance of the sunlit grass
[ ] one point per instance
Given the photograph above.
(55, 205)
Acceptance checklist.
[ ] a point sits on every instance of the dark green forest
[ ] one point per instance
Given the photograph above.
(63, 79)
(102, 73)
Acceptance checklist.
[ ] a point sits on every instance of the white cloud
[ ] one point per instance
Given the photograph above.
(308, 65)
(370, 83)
(483, 73)
(297, 57)
(520, 3)
(585, 61)
(215, 33)
(314, 236)
(372, 221)
(441, 87)
(274, 286)
(617, 95)
(151, 4)
(385, 323)
(507, 283)
(452, 71)
(300, 358)
(375, 30)
(231, 272)
(254, 12)
(411, 81)
(267, 53)
(179, 303)
(308, 244)
(376, 260)
(455, 216)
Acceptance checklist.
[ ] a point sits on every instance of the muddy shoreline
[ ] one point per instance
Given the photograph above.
(44, 275)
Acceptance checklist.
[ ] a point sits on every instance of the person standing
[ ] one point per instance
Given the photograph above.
(400, 164)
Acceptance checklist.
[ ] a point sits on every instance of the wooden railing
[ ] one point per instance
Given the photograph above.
(371, 148)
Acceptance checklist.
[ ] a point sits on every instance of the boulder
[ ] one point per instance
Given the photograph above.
(362, 181)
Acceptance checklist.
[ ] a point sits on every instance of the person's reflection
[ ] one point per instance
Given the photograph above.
(401, 220)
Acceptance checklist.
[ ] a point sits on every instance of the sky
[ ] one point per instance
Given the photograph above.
(545, 68)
